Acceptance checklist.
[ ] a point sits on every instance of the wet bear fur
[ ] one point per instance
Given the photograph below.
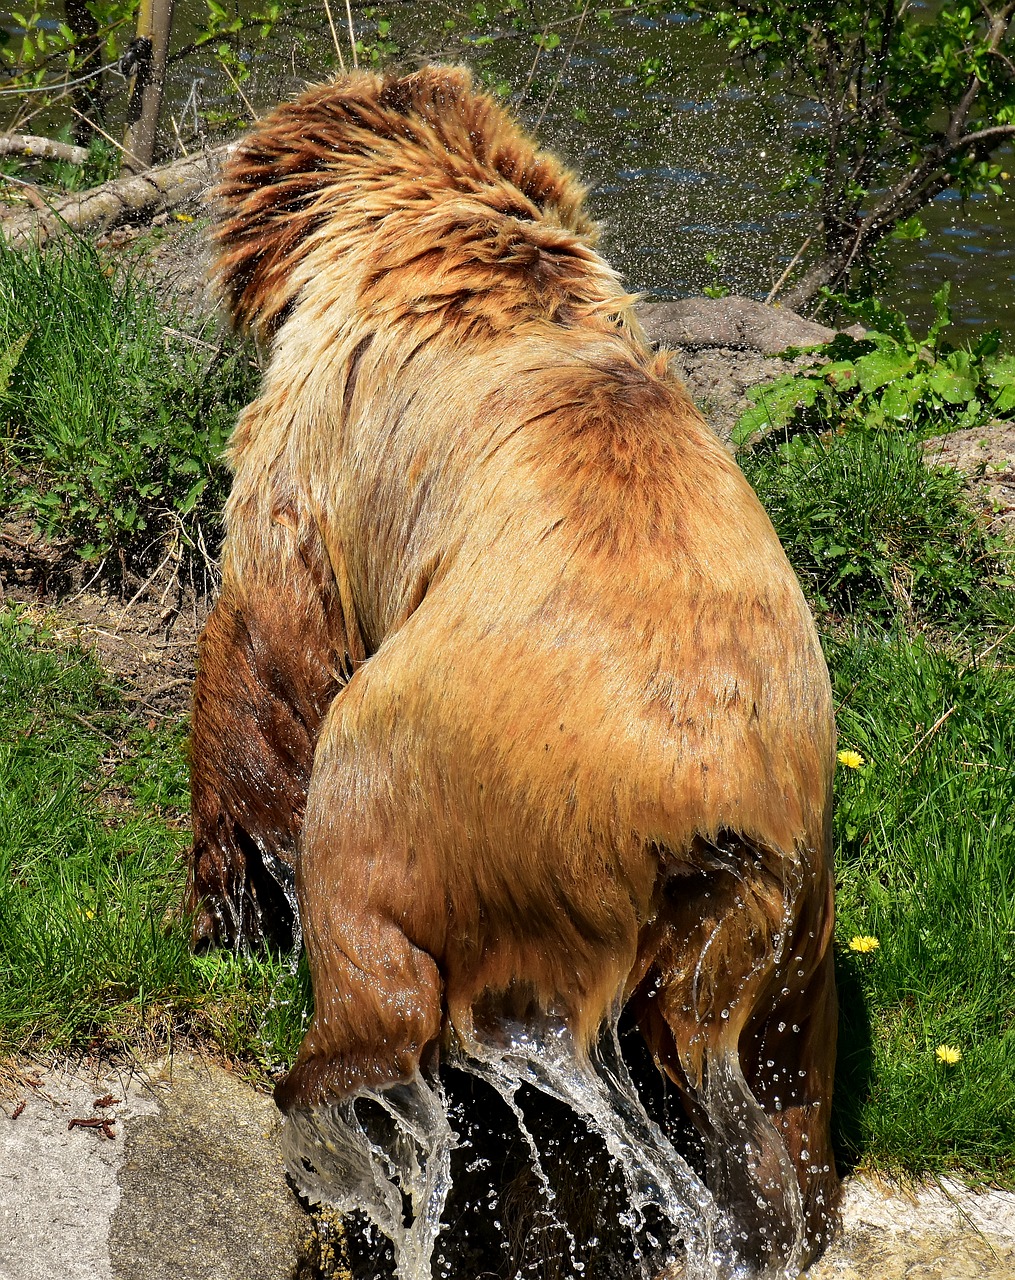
(509, 675)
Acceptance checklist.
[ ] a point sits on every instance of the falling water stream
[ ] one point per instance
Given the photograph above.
(388, 1154)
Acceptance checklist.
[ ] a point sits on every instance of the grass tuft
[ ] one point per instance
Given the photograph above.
(113, 421)
(871, 530)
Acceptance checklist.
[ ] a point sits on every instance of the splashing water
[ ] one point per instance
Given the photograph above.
(387, 1152)
(601, 1090)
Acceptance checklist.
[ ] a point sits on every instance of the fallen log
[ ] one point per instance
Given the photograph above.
(35, 148)
(136, 198)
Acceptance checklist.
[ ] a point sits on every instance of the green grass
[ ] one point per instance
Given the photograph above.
(925, 837)
(875, 533)
(112, 418)
(93, 945)
(102, 164)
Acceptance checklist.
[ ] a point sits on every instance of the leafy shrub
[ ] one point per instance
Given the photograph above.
(115, 421)
(888, 379)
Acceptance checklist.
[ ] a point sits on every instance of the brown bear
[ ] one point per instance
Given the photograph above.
(510, 685)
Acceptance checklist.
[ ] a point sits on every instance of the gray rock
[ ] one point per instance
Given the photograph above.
(58, 1185)
(718, 379)
(740, 323)
(203, 1194)
(190, 1185)
(929, 1231)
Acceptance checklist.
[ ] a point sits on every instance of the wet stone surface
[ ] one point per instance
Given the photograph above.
(934, 1232)
(185, 1184)
(189, 1186)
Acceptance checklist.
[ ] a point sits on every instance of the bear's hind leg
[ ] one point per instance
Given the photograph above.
(722, 988)
(269, 662)
(366, 1124)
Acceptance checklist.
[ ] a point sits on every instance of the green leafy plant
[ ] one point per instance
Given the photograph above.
(716, 289)
(838, 462)
(94, 946)
(888, 379)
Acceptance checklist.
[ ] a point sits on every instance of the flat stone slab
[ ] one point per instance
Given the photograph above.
(940, 1231)
(185, 1182)
(190, 1185)
(729, 322)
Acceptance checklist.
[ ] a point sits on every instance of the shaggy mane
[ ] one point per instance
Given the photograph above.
(315, 163)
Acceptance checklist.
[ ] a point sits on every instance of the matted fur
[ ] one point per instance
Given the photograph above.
(509, 667)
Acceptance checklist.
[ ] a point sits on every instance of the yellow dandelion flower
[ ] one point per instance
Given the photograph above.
(864, 944)
(851, 759)
(948, 1054)
(183, 217)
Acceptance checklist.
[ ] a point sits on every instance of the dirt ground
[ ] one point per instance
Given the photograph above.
(146, 640)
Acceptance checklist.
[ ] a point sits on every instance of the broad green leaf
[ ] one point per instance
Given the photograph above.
(942, 311)
(775, 406)
(900, 398)
(952, 387)
(840, 374)
(882, 367)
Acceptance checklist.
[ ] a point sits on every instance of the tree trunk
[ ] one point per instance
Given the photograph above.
(154, 24)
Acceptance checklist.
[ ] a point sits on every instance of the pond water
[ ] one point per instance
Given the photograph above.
(685, 176)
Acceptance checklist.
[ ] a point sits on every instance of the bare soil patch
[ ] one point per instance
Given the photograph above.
(146, 638)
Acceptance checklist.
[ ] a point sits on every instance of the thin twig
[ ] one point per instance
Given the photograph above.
(795, 259)
(119, 146)
(93, 728)
(352, 35)
(77, 595)
(535, 63)
(176, 130)
(334, 36)
(932, 730)
(189, 337)
(236, 85)
(978, 657)
(563, 66)
(31, 192)
(144, 587)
